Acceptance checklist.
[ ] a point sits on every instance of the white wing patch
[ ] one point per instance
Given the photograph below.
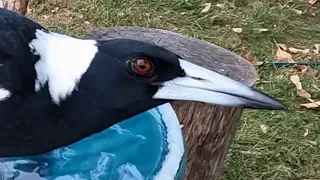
(4, 94)
(63, 60)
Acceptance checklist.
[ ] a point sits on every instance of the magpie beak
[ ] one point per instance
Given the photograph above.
(202, 85)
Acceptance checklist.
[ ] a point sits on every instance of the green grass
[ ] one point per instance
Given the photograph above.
(283, 152)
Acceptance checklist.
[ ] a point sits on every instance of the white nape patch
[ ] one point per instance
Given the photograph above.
(63, 60)
(4, 94)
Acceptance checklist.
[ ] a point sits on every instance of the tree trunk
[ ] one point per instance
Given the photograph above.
(19, 6)
(208, 129)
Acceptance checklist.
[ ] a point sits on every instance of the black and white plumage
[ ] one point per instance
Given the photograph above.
(56, 90)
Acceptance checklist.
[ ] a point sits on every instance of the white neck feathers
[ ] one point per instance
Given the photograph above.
(63, 60)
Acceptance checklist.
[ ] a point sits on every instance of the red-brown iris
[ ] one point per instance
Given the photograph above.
(142, 66)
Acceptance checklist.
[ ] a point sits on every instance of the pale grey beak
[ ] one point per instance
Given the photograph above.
(203, 85)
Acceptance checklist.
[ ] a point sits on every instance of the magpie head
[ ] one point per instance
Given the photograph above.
(85, 86)
(52, 85)
(151, 75)
(124, 73)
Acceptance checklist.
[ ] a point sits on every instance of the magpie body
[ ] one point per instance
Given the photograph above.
(56, 90)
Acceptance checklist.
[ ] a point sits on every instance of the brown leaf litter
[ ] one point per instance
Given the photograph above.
(311, 105)
(295, 50)
(300, 91)
(312, 2)
(306, 132)
(282, 55)
(264, 128)
(298, 11)
(249, 57)
(300, 69)
(303, 93)
(237, 30)
(317, 48)
(263, 30)
(206, 8)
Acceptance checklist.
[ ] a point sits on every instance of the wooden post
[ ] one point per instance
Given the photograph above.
(208, 129)
(19, 6)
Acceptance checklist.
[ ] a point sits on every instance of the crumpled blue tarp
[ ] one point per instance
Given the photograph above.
(149, 146)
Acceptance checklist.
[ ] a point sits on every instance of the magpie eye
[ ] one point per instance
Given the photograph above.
(142, 66)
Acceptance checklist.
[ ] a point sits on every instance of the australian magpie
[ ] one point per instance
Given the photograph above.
(56, 90)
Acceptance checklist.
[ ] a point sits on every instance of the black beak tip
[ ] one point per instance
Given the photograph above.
(275, 105)
(267, 102)
(280, 106)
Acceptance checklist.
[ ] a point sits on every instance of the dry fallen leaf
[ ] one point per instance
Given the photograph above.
(282, 46)
(237, 30)
(206, 8)
(249, 57)
(312, 2)
(300, 91)
(220, 5)
(263, 30)
(264, 128)
(250, 152)
(282, 55)
(317, 50)
(44, 17)
(302, 69)
(304, 93)
(306, 132)
(252, 60)
(298, 11)
(55, 9)
(29, 10)
(295, 50)
(311, 105)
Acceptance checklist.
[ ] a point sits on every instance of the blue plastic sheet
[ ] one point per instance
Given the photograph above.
(147, 146)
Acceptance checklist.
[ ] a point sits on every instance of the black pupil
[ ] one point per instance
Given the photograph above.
(142, 64)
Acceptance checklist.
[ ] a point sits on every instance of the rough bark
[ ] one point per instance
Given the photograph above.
(19, 6)
(208, 129)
